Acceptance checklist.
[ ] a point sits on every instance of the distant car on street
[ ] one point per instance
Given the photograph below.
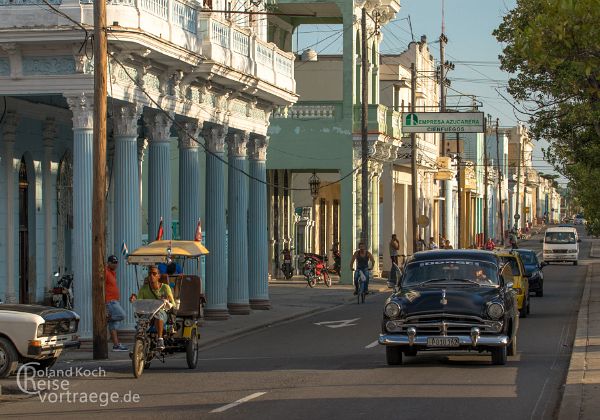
(561, 244)
(451, 300)
(34, 333)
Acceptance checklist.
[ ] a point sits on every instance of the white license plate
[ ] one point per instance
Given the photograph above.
(443, 342)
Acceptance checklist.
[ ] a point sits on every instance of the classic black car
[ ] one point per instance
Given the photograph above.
(451, 300)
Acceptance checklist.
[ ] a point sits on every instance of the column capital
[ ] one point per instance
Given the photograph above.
(9, 128)
(257, 147)
(215, 137)
(237, 144)
(125, 120)
(49, 131)
(159, 126)
(82, 107)
(188, 133)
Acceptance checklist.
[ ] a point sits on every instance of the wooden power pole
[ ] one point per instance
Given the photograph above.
(500, 179)
(99, 189)
(459, 201)
(414, 174)
(485, 185)
(365, 132)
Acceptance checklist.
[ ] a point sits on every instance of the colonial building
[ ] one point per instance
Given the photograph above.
(178, 73)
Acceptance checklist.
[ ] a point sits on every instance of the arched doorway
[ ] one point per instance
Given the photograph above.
(23, 233)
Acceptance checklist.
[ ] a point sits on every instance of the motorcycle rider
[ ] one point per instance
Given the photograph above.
(362, 258)
(154, 289)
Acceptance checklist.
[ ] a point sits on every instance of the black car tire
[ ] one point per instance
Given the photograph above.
(499, 356)
(523, 311)
(8, 358)
(393, 355)
(540, 293)
(512, 347)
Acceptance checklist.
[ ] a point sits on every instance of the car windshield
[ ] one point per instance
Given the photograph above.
(528, 257)
(560, 238)
(514, 265)
(464, 272)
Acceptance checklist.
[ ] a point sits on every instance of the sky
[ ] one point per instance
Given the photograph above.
(471, 47)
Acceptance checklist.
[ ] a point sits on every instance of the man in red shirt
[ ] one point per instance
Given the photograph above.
(114, 311)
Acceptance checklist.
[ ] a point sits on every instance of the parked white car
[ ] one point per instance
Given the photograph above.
(34, 333)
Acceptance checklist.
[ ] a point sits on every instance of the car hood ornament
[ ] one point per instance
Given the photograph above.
(444, 301)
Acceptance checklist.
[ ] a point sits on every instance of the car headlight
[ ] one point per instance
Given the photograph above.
(495, 310)
(40, 331)
(392, 310)
(73, 326)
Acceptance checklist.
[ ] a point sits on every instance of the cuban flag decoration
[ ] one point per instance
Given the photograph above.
(161, 231)
(198, 235)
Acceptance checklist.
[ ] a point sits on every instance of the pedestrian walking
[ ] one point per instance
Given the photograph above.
(432, 244)
(114, 312)
(394, 248)
(447, 244)
(490, 245)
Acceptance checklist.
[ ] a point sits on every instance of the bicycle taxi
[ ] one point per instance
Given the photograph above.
(181, 332)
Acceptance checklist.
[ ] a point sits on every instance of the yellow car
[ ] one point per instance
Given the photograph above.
(519, 280)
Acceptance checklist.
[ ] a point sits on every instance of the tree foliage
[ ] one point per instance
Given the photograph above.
(552, 48)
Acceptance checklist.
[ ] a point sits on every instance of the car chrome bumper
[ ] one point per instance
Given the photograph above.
(51, 348)
(560, 257)
(464, 341)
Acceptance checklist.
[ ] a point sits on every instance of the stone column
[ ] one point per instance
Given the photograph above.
(216, 229)
(159, 174)
(389, 206)
(83, 122)
(189, 177)
(375, 218)
(237, 222)
(49, 202)
(9, 134)
(142, 145)
(258, 257)
(127, 212)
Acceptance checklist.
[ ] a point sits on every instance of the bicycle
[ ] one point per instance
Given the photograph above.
(362, 287)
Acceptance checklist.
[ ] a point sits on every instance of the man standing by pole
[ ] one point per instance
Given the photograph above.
(99, 190)
(364, 132)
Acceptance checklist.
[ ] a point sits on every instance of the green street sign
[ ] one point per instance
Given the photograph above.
(443, 122)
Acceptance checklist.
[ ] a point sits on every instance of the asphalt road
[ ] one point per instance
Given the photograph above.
(302, 370)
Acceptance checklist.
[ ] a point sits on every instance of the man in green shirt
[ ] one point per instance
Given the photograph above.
(154, 289)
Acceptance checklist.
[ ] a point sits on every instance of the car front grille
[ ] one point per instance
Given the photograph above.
(448, 325)
(60, 326)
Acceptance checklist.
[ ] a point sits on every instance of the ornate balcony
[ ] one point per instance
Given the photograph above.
(175, 29)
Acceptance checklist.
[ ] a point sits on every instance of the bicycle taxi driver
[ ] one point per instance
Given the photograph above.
(154, 289)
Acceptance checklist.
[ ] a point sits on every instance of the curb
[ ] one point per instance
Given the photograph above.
(11, 389)
(572, 398)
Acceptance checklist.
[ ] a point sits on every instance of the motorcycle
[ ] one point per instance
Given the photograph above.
(286, 267)
(337, 260)
(315, 269)
(62, 293)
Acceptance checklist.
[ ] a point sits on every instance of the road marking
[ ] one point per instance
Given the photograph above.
(337, 324)
(238, 402)
(373, 344)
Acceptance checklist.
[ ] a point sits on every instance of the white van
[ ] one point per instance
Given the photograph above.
(561, 244)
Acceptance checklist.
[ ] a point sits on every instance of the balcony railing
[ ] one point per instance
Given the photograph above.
(311, 111)
(181, 22)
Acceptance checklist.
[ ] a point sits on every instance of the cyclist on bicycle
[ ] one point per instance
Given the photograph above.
(362, 258)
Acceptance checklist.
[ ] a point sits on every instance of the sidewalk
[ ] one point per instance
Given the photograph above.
(290, 300)
(582, 389)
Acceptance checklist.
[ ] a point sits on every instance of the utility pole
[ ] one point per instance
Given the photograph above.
(365, 133)
(485, 184)
(413, 139)
(500, 179)
(445, 184)
(99, 189)
(458, 239)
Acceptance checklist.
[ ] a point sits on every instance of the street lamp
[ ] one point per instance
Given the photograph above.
(315, 184)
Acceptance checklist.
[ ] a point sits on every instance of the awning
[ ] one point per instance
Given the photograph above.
(160, 251)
